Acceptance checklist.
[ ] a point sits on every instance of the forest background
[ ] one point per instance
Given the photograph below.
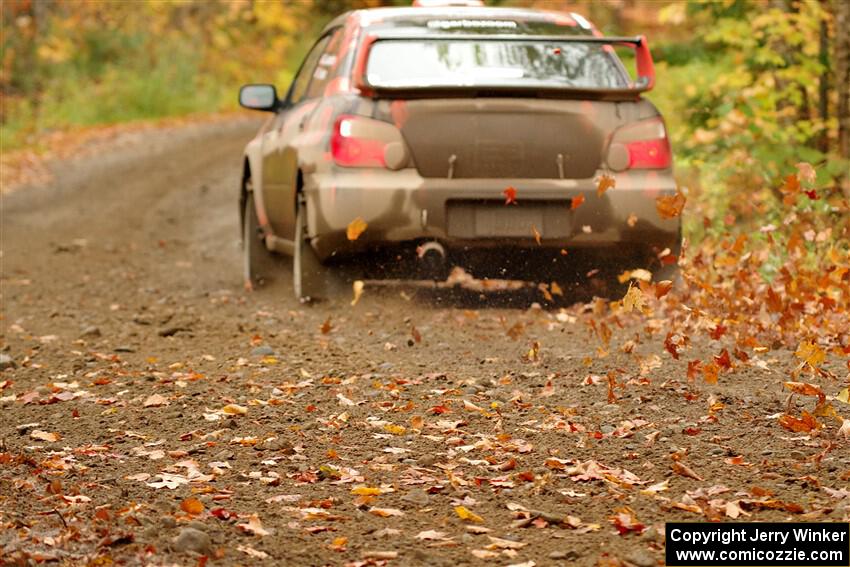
(749, 88)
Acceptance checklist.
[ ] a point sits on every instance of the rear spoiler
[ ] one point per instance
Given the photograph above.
(643, 58)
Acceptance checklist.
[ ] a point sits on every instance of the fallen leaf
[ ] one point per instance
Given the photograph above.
(684, 470)
(430, 534)
(803, 424)
(385, 512)
(844, 430)
(355, 228)
(192, 506)
(155, 400)
(464, 514)
(45, 436)
(234, 409)
(253, 526)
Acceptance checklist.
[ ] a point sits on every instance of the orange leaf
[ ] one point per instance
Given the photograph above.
(605, 182)
(576, 201)
(536, 234)
(685, 470)
(670, 207)
(710, 373)
(806, 389)
(510, 196)
(192, 506)
(326, 326)
(355, 228)
(805, 423)
(662, 288)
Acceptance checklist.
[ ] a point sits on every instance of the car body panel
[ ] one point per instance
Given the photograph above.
(462, 153)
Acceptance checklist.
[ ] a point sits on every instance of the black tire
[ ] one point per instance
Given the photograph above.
(257, 261)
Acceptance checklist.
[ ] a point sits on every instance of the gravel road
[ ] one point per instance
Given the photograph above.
(154, 412)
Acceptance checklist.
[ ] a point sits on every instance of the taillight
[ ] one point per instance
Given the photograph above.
(358, 141)
(643, 145)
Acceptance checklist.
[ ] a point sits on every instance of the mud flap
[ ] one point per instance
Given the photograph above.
(311, 280)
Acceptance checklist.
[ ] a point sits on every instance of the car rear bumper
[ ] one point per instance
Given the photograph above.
(402, 206)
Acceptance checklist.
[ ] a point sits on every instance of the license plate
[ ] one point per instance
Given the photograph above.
(508, 221)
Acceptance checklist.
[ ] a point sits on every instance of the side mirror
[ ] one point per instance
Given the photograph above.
(259, 97)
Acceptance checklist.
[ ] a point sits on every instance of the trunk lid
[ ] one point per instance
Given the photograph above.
(466, 138)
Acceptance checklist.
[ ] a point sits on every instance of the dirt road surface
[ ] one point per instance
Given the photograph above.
(154, 412)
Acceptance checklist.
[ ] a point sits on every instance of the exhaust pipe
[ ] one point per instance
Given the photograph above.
(433, 259)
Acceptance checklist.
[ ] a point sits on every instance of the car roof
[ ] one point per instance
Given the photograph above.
(417, 17)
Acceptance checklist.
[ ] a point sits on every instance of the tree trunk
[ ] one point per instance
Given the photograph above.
(823, 86)
(842, 82)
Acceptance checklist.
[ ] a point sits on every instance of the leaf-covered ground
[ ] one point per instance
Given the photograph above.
(153, 412)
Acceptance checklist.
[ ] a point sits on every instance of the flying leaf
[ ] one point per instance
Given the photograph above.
(510, 196)
(576, 201)
(605, 182)
(670, 206)
(662, 288)
(634, 299)
(710, 373)
(810, 353)
(464, 514)
(357, 286)
(536, 234)
(356, 228)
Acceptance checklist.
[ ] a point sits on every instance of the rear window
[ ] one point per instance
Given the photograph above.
(482, 63)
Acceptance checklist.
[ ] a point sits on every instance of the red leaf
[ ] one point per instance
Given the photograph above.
(510, 196)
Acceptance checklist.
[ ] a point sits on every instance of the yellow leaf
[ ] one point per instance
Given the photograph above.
(464, 514)
(357, 286)
(536, 234)
(810, 353)
(233, 409)
(634, 300)
(366, 491)
(355, 228)
(394, 429)
(844, 396)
